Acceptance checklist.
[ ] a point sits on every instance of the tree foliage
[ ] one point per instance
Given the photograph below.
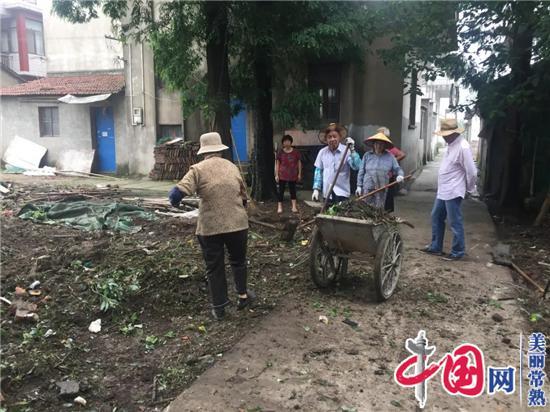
(269, 45)
(272, 44)
(501, 50)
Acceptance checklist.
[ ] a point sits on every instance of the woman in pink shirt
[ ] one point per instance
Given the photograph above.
(288, 169)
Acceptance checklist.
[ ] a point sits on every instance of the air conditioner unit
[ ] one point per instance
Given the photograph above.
(137, 116)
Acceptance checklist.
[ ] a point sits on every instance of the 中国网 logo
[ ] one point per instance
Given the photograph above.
(463, 370)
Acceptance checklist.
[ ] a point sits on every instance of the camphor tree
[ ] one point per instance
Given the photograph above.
(272, 42)
(266, 42)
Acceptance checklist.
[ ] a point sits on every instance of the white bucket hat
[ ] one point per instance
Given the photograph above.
(211, 143)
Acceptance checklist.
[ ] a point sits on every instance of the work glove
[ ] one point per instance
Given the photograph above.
(399, 179)
(315, 195)
(175, 196)
(350, 143)
(358, 191)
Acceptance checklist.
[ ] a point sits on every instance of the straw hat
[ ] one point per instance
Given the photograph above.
(449, 126)
(380, 137)
(342, 131)
(211, 143)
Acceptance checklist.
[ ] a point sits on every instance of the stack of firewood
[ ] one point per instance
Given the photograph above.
(172, 161)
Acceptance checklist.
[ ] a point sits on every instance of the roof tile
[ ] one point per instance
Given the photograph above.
(62, 85)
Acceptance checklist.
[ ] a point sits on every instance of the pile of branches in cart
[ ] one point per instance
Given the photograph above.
(363, 211)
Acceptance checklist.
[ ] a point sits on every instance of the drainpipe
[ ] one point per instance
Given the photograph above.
(143, 84)
(130, 63)
(131, 81)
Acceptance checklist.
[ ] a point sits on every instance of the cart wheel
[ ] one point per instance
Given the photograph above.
(387, 265)
(324, 268)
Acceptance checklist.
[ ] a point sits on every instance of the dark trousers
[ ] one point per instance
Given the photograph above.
(291, 189)
(213, 251)
(390, 194)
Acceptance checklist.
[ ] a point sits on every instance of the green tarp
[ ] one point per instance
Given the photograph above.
(87, 215)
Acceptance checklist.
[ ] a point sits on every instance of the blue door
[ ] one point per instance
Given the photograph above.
(105, 140)
(238, 128)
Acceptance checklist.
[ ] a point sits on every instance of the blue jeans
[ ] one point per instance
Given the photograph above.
(442, 210)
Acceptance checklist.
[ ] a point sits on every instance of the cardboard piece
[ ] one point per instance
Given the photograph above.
(76, 161)
(24, 154)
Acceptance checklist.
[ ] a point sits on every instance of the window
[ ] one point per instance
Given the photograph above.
(49, 121)
(329, 109)
(35, 38)
(9, 36)
(324, 78)
(5, 41)
(170, 131)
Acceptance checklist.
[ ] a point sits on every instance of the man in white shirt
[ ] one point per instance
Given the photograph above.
(457, 176)
(326, 166)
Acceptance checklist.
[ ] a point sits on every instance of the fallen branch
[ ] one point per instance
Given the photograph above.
(161, 401)
(409, 224)
(84, 174)
(309, 222)
(522, 273)
(258, 222)
(80, 193)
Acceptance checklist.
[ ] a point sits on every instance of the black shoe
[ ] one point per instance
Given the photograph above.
(248, 301)
(218, 313)
(452, 258)
(429, 251)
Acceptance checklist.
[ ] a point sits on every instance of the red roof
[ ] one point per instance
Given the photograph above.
(62, 85)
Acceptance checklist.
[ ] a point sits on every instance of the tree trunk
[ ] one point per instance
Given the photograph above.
(514, 185)
(263, 181)
(217, 62)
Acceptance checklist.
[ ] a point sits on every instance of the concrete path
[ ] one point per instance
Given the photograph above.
(291, 361)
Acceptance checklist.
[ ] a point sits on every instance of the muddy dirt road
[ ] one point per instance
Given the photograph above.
(291, 361)
(157, 336)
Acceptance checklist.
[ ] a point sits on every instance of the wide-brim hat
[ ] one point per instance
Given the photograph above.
(380, 137)
(449, 126)
(211, 143)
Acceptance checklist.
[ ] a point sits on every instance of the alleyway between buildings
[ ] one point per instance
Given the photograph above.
(291, 361)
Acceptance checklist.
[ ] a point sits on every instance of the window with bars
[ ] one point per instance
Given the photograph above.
(48, 118)
(35, 37)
